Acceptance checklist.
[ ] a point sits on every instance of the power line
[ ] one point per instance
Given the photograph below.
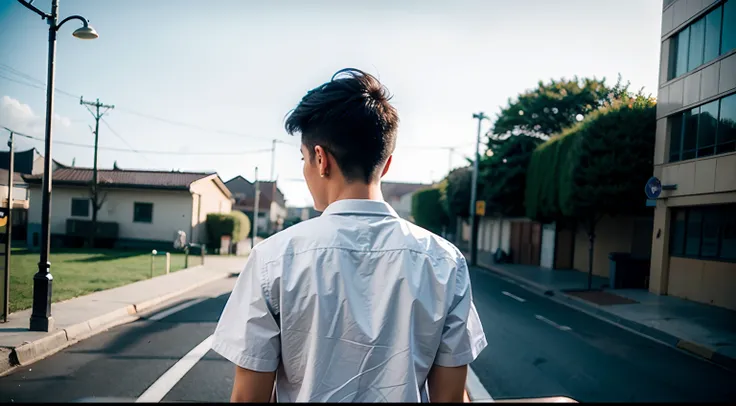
(40, 85)
(74, 144)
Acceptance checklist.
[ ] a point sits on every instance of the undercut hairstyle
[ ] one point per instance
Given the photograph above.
(351, 118)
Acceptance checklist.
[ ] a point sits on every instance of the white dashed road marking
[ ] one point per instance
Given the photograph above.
(166, 382)
(552, 323)
(513, 296)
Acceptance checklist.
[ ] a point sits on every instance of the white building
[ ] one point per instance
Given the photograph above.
(146, 207)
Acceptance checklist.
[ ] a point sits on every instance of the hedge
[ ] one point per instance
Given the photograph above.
(427, 210)
(235, 224)
(599, 165)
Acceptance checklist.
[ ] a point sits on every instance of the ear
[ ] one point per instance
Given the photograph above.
(385, 167)
(323, 164)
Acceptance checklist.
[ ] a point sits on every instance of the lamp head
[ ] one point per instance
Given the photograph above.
(86, 32)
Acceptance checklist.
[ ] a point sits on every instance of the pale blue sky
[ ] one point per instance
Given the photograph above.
(239, 66)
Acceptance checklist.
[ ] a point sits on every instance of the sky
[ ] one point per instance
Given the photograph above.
(205, 86)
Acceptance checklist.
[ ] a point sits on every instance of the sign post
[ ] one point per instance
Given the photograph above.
(652, 189)
(480, 208)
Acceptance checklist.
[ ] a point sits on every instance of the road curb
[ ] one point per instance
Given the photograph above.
(598, 312)
(30, 352)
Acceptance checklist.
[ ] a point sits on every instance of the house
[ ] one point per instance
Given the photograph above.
(271, 203)
(20, 203)
(398, 196)
(141, 208)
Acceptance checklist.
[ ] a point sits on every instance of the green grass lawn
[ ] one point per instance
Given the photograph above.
(83, 271)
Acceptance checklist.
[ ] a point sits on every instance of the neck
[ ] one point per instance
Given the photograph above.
(357, 190)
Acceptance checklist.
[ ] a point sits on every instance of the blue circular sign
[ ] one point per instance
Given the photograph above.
(653, 188)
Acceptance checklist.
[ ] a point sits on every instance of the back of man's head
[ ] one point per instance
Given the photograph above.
(351, 118)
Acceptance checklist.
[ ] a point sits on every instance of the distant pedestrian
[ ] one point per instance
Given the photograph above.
(356, 305)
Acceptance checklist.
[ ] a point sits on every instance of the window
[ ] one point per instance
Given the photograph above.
(728, 30)
(707, 232)
(142, 212)
(690, 134)
(712, 35)
(80, 207)
(704, 40)
(703, 131)
(726, 140)
(678, 233)
(693, 232)
(707, 124)
(697, 44)
(681, 46)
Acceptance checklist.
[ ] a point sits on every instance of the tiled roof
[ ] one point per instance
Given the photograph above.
(17, 178)
(124, 178)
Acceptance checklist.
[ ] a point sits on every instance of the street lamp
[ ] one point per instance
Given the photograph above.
(41, 319)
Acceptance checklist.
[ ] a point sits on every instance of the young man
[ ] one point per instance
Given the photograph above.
(356, 305)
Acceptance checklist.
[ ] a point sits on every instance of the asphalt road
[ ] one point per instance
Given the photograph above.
(536, 348)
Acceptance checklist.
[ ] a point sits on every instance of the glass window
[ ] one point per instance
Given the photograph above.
(711, 230)
(681, 59)
(712, 35)
(675, 137)
(728, 39)
(678, 233)
(707, 125)
(690, 134)
(728, 235)
(727, 125)
(142, 212)
(693, 232)
(80, 207)
(697, 41)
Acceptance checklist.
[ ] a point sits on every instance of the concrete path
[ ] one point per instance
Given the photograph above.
(707, 331)
(81, 317)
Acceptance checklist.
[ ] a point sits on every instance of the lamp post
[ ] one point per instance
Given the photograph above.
(41, 319)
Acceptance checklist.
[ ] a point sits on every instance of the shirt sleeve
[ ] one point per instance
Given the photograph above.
(248, 334)
(462, 336)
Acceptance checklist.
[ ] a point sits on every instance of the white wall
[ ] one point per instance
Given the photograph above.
(19, 193)
(205, 192)
(172, 211)
(488, 231)
(547, 255)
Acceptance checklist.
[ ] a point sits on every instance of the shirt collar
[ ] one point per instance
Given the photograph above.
(360, 207)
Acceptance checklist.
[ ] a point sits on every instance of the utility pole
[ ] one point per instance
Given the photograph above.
(255, 212)
(8, 229)
(474, 194)
(96, 204)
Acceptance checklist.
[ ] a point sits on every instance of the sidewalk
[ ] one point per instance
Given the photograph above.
(707, 331)
(84, 316)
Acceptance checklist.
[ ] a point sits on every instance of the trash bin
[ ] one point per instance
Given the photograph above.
(626, 272)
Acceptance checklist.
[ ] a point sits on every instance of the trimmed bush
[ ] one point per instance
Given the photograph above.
(235, 224)
(427, 210)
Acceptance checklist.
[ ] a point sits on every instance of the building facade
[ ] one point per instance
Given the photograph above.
(694, 233)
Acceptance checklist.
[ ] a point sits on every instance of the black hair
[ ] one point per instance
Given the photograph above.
(351, 118)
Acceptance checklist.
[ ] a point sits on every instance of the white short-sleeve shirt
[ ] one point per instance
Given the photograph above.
(352, 306)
